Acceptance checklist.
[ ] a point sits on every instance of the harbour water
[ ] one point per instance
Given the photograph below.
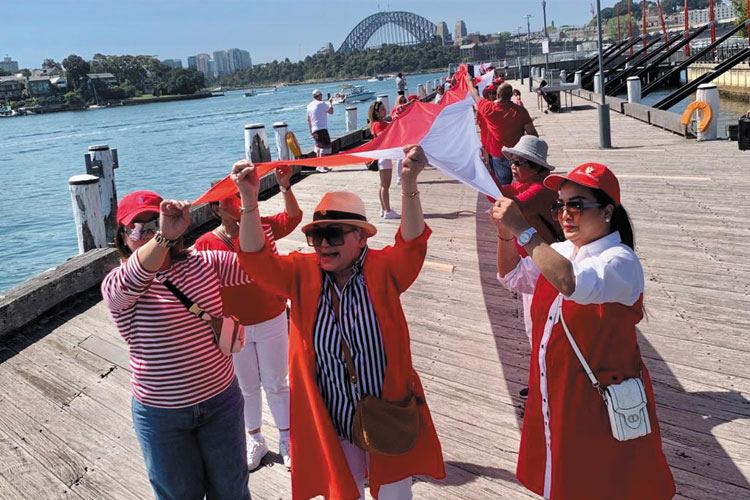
(174, 148)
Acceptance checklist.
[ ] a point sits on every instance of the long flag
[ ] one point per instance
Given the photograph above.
(446, 131)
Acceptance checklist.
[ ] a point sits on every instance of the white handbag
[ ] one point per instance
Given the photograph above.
(626, 401)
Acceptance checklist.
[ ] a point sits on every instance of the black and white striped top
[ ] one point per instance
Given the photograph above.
(359, 326)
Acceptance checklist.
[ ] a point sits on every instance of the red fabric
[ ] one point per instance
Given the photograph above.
(587, 461)
(319, 466)
(250, 303)
(535, 202)
(409, 127)
(505, 124)
(377, 127)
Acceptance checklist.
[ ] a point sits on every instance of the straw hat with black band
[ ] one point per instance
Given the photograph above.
(342, 207)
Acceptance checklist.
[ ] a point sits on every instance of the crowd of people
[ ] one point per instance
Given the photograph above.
(210, 325)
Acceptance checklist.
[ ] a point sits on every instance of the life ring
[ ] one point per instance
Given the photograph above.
(293, 145)
(702, 106)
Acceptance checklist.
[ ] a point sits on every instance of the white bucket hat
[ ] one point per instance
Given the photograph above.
(532, 149)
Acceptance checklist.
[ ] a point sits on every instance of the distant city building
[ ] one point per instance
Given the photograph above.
(238, 59)
(191, 62)
(173, 63)
(11, 87)
(443, 33)
(9, 65)
(203, 64)
(221, 63)
(460, 31)
(722, 12)
(39, 86)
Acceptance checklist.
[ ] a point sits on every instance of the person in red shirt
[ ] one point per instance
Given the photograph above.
(506, 124)
(263, 361)
(376, 115)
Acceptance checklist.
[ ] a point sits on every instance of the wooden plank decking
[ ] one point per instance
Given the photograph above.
(65, 425)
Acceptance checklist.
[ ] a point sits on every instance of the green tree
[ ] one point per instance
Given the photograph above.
(741, 7)
(76, 68)
(49, 64)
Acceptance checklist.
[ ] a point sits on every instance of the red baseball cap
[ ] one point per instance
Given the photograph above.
(136, 203)
(489, 88)
(593, 175)
(412, 97)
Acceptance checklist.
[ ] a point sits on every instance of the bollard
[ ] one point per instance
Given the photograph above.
(279, 132)
(256, 143)
(577, 78)
(437, 82)
(634, 89)
(563, 76)
(428, 86)
(87, 212)
(597, 83)
(709, 93)
(351, 118)
(384, 99)
(542, 73)
(420, 90)
(102, 162)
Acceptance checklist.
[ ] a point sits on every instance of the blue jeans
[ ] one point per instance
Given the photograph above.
(195, 451)
(501, 167)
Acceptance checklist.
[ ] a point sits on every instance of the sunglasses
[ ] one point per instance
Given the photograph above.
(140, 230)
(518, 163)
(574, 208)
(334, 235)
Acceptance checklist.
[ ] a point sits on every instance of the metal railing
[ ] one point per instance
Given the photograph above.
(722, 53)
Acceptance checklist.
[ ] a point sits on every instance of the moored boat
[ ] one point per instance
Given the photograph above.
(352, 93)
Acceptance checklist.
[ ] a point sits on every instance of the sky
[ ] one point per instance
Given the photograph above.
(269, 29)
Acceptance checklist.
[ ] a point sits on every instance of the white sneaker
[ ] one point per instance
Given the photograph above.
(391, 214)
(256, 450)
(285, 452)
(322, 170)
(381, 213)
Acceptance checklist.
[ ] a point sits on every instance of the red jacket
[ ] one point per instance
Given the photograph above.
(319, 466)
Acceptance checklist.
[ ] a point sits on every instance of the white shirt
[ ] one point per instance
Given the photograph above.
(317, 112)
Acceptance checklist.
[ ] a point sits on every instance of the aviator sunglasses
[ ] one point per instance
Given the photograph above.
(141, 229)
(574, 208)
(334, 235)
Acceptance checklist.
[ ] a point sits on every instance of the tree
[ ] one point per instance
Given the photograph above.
(76, 68)
(49, 64)
(741, 7)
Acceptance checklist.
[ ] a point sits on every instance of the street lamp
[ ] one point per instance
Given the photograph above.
(605, 136)
(528, 47)
(518, 54)
(546, 55)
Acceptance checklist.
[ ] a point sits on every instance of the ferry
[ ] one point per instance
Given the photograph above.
(352, 93)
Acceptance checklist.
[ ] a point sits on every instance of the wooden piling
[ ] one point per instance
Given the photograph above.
(87, 212)
(351, 118)
(386, 102)
(256, 143)
(102, 162)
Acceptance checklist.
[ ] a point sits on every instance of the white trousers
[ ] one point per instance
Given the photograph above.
(359, 462)
(263, 362)
(526, 298)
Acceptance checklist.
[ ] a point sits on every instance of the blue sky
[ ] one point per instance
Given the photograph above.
(269, 29)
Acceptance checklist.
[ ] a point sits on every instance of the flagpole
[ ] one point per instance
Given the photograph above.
(605, 136)
(630, 24)
(528, 48)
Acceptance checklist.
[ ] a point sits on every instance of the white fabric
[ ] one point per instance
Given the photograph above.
(485, 81)
(263, 362)
(317, 112)
(438, 98)
(385, 164)
(359, 462)
(526, 299)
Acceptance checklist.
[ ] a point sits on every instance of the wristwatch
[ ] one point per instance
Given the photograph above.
(284, 189)
(163, 241)
(525, 237)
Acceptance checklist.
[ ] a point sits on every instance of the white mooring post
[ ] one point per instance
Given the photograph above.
(597, 83)
(428, 86)
(279, 132)
(87, 212)
(420, 90)
(386, 102)
(634, 89)
(102, 162)
(577, 78)
(563, 76)
(437, 82)
(351, 118)
(709, 93)
(256, 143)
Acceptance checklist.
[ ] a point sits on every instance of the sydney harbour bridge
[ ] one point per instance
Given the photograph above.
(400, 28)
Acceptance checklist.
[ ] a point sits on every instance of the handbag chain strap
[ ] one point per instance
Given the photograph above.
(579, 354)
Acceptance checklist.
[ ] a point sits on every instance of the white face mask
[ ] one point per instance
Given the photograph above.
(141, 229)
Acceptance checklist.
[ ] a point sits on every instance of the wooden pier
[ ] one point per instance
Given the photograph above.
(65, 424)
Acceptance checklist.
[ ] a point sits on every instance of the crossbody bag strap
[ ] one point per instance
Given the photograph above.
(189, 304)
(586, 367)
(224, 239)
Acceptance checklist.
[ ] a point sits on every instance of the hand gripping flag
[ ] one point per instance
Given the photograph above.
(446, 131)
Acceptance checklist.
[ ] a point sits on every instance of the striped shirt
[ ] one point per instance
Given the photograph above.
(361, 331)
(174, 362)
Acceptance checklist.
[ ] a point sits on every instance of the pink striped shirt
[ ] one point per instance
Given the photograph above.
(173, 359)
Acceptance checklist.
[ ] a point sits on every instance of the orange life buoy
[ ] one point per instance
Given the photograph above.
(291, 142)
(702, 106)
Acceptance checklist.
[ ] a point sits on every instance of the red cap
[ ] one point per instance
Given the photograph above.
(488, 89)
(412, 97)
(136, 203)
(593, 175)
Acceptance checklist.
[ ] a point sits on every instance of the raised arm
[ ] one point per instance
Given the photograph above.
(244, 175)
(284, 178)
(330, 105)
(472, 89)
(412, 217)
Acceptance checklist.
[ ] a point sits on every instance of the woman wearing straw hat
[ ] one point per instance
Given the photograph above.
(349, 340)
(590, 286)
(528, 162)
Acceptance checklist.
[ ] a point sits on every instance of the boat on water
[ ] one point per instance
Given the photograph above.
(352, 93)
(250, 93)
(375, 79)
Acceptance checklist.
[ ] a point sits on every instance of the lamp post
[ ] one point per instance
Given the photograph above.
(605, 136)
(518, 54)
(528, 47)
(546, 55)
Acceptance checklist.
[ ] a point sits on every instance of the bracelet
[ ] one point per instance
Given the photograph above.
(284, 189)
(411, 195)
(504, 239)
(162, 240)
(244, 210)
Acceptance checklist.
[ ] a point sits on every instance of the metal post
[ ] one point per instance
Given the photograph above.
(687, 28)
(528, 48)
(546, 56)
(518, 53)
(630, 24)
(605, 136)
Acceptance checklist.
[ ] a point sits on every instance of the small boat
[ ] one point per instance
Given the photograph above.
(352, 93)
(250, 93)
(373, 79)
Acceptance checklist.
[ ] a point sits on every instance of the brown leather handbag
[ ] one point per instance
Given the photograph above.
(381, 426)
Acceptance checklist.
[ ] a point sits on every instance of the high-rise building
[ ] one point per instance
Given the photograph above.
(9, 65)
(443, 33)
(173, 63)
(222, 62)
(191, 62)
(203, 64)
(238, 59)
(460, 31)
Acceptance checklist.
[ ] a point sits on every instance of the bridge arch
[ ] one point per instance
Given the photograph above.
(417, 26)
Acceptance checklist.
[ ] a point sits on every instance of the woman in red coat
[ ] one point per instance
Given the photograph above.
(595, 280)
(346, 294)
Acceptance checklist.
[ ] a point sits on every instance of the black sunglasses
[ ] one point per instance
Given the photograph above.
(574, 208)
(334, 235)
(518, 163)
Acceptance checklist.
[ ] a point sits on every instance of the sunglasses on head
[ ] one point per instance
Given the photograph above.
(334, 235)
(140, 230)
(574, 208)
